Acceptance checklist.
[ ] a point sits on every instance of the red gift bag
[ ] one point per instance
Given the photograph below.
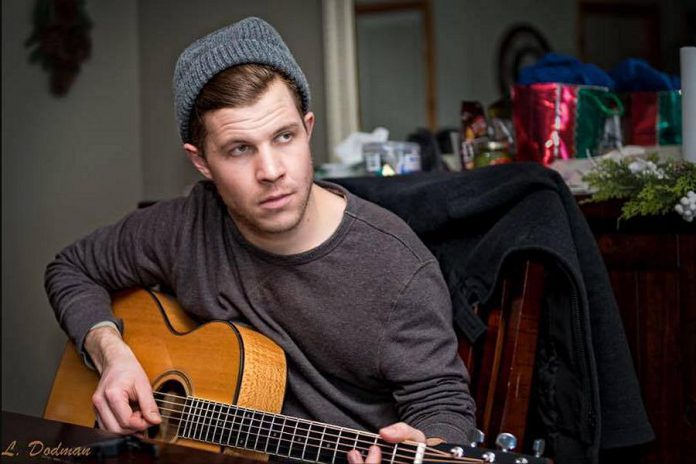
(560, 121)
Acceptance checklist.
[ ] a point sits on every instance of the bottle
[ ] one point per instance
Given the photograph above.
(473, 128)
(492, 152)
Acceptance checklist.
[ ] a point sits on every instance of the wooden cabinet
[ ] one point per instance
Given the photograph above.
(652, 267)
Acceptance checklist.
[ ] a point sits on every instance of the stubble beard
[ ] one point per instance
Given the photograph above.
(261, 227)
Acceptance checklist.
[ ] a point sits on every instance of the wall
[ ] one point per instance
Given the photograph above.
(467, 36)
(166, 28)
(69, 164)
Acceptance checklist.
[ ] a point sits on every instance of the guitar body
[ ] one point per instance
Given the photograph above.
(219, 361)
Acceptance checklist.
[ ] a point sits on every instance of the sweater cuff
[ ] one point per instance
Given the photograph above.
(81, 317)
(451, 433)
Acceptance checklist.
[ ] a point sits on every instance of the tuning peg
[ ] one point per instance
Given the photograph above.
(476, 437)
(457, 452)
(538, 447)
(506, 442)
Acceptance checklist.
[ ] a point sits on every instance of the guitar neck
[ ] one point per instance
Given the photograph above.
(276, 434)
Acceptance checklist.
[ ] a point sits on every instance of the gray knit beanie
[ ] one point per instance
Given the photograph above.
(251, 40)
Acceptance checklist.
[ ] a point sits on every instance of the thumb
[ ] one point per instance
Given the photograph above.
(401, 431)
(146, 401)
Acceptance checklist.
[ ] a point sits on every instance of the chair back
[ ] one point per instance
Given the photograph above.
(501, 362)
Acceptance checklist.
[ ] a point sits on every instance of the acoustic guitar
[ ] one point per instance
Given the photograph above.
(220, 386)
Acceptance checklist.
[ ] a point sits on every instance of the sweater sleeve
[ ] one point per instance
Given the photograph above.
(135, 252)
(418, 355)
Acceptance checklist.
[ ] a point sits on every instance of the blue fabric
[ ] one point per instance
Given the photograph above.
(636, 75)
(555, 67)
(630, 75)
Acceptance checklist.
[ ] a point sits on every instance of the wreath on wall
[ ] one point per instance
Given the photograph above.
(60, 41)
(522, 44)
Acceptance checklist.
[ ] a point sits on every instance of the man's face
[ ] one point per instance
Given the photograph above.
(259, 158)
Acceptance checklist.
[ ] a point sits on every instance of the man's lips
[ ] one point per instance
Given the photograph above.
(276, 201)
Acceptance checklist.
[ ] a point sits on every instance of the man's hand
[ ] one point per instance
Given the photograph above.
(122, 381)
(394, 433)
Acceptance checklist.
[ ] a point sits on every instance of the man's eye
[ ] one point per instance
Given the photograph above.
(285, 137)
(239, 150)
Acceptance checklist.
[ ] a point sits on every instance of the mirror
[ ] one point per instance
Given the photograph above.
(395, 66)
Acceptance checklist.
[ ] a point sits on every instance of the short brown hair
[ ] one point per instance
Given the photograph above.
(240, 85)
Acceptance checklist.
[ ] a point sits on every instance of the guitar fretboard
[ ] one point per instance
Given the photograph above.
(276, 434)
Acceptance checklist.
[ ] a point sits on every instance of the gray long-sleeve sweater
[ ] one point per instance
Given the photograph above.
(365, 319)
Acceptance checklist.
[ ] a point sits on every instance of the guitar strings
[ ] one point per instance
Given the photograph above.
(289, 440)
(433, 455)
(202, 415)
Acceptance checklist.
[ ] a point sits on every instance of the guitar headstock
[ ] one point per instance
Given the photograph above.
(506, 443)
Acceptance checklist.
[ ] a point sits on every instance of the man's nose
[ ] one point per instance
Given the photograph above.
(270, 166)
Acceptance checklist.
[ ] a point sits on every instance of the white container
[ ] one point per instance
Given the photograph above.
(389, 158)
(688, 82)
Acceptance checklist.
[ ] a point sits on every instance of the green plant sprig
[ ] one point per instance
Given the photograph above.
(650, 187)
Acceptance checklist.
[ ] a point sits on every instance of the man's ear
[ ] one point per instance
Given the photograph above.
(309, 123)
(198, 160)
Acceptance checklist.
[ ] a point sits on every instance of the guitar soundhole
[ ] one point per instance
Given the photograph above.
(170, 396)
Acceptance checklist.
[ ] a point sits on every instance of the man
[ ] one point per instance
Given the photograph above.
(344, 287)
